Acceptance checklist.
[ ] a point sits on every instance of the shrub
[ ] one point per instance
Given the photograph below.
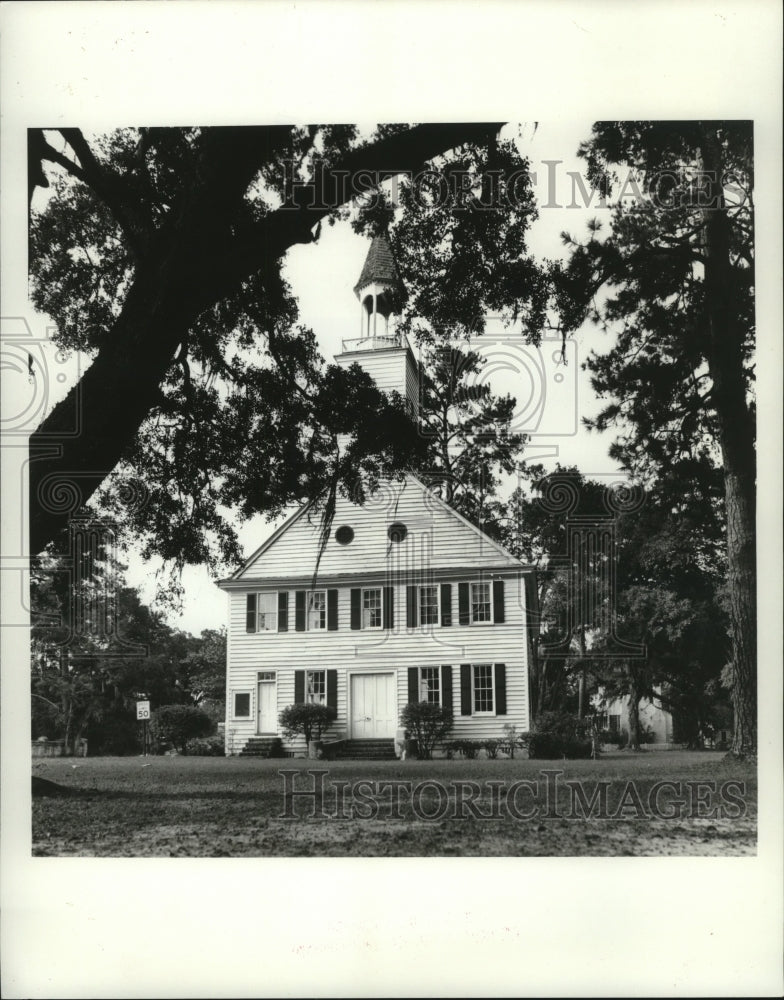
(558, 735)
(206, 746)
(427, 725)
(305, 719)
(176, 724)
(466, 748)
(550, 746)
(612, 736)
(492, 747)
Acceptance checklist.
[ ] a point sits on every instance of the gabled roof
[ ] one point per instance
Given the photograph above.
(380, 266)
(439, 539)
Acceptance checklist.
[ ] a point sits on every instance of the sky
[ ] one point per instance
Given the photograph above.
(552, 398)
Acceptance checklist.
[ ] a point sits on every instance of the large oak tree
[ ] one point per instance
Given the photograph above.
(159, 253)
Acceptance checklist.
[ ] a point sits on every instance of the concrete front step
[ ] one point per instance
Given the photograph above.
(368, 750)
(258, 746)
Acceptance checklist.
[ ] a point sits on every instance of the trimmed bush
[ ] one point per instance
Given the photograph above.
(558, 735)
(308, 720)
(174, 725)
(550, 746)
(206, 746)
(427, 724)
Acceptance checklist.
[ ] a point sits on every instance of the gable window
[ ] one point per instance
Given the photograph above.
(240, 705)
(481, 604)
(371, 608)
(428, 605)
(482, 684)
(317, 610)
(316, 686)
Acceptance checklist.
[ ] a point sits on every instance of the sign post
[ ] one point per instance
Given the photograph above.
(143, 715)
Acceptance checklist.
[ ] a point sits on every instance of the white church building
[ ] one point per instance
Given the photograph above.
(411, 602)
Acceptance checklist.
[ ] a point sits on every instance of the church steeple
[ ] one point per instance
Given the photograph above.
(380, 291)
(381, 350)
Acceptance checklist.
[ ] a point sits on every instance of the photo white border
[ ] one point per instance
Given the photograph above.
(517, 927)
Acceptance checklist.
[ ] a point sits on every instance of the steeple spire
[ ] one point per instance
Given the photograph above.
(380, 289)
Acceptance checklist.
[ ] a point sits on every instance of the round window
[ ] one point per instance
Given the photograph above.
(397, 532)
(344, 535)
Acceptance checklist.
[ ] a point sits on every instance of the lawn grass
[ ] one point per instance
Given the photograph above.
(218, 807)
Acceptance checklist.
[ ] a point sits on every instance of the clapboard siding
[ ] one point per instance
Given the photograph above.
(396, 649)
(437, 538)
(387, 367)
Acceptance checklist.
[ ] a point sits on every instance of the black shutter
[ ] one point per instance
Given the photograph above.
(250, 613)
(299, 687)
(498, 602)
(413, 684)
(446, 603)
(283, 611)
(447, 698)
(464, 614)
(299, 610)
(465, 688)
(332, 689)
(389, 607)
(500, 689)
(411, 607)
(356, 609)
(332, 610)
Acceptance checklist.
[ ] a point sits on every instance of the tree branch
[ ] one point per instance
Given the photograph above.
(110, 187)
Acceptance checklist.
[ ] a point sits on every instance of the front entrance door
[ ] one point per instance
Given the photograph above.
(268, 703)
(373, 706)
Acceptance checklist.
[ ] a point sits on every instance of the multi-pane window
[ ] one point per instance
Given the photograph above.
(428, 605)
(430, 685)
(317, 610)
(316, 681)
(481, 603)
(483, 687)
(267, 617)
(371, 608)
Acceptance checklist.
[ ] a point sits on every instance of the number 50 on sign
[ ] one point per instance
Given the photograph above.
(142, 710)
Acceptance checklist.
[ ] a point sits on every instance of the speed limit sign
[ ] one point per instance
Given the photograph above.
(142, 710)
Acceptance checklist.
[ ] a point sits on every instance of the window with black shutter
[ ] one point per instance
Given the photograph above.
(283, 611)
(356, 609)
(446, 604)
(332, 610)
(250, 613)
(498, 602)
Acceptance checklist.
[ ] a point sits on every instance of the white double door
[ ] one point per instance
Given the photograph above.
(373, 706)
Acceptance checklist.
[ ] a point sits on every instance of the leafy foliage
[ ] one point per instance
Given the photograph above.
(177, 724)
(159, 254)
(427, 723)
(674, 278)
(308, 720)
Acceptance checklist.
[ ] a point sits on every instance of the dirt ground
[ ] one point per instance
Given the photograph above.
(647, 804)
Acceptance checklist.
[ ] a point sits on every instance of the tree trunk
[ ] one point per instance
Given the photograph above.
(183, 272)
(736, 434)
(634, 712)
